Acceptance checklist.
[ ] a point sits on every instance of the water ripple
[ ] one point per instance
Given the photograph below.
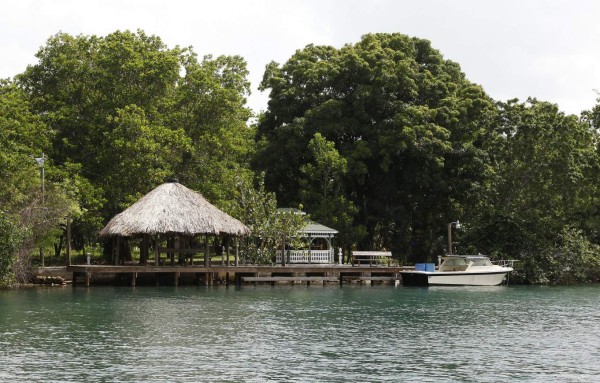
(299, 334)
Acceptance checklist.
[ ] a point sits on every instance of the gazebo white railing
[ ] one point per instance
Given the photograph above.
(314, 233)
(306, 256)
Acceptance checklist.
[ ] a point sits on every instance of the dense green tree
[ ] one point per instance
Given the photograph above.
(81, 84)
(322, 192)
(128, 112)
(210, 107)
(408, 123)
(142, 156)
(29, 214)
(23, 136)
(10, 242)
(542, 188)
(257, 208)
(571, 258)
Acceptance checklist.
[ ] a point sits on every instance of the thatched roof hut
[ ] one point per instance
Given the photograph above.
(172, 208)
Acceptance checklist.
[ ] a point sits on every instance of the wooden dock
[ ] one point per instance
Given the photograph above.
(221, 274)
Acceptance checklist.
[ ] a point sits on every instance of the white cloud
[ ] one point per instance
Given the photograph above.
(540, 48)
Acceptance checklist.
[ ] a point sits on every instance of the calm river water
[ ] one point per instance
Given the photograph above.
(298, 334)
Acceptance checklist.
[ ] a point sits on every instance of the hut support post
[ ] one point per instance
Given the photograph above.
(117, 246)
(170, 245)
(227, 251)
(206, 252)
(283, 250)
(206, 261)
(237, 253)
(144, 250)
(180, 242)
(223, 252)
(156, 252)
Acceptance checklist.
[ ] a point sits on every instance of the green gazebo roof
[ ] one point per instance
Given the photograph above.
(312, 229)
(315, 229)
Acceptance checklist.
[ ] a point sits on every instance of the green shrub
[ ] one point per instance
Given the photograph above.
(570, 260)
(10, 241)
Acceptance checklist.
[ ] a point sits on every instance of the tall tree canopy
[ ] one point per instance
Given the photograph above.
(29, 214)
(406, 121)
(384, 140)
(127, 112)
(541, 202)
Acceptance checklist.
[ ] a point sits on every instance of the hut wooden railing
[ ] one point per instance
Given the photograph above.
(306, 256)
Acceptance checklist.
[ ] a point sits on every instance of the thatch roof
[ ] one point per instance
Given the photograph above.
(172, 208)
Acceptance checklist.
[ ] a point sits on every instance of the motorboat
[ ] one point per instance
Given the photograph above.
(459, 270)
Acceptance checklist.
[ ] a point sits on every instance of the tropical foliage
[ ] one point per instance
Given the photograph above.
(385, 140)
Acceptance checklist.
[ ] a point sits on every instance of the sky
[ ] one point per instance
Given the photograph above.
(547, 49)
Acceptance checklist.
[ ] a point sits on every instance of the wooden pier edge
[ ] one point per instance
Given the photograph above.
(244, 273)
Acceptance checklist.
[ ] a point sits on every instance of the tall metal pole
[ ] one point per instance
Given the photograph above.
(43, 178)
(457, 226)
(450, 238)
(69, 240)
(40, 161)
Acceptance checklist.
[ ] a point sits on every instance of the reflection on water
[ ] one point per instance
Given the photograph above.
(293, 333)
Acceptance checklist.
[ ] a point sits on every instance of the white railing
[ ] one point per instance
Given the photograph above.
(304, 256)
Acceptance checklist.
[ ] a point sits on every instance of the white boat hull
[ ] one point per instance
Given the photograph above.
(454, 278)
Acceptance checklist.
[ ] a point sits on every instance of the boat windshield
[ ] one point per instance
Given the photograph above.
(481, 262)
(455, 262)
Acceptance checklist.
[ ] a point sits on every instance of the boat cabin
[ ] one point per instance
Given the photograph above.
(462, 263)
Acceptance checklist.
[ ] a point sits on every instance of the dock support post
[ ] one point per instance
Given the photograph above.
(88, 276)
(369, 281)
(177, 278)
(133, 278)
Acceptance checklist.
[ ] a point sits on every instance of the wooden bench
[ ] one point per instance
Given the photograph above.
(370, 257)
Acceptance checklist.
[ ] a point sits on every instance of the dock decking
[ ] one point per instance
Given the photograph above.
(210, 275)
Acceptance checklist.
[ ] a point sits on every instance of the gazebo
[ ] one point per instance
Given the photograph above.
(175, 214)
(319, 239)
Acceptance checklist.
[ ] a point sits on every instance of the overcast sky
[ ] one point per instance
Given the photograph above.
(547, 49)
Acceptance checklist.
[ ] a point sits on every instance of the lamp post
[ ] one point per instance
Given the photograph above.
(457, 226)
(40, 161)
